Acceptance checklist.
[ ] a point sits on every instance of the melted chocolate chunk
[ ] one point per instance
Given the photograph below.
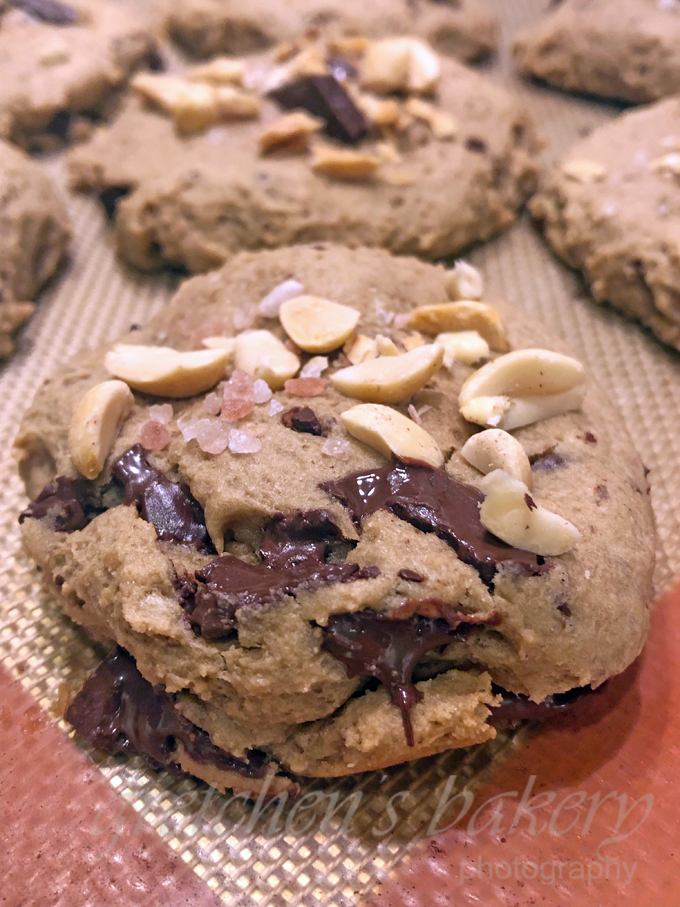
(174, 513)
(515, 707)
(294, 553)
(432, 501)
(110, 199)
(60, 125)
(69, 503)
(326, 98)
(373, 644)
(410, 575)
(302, 419)
(119, 711)
(54, 12)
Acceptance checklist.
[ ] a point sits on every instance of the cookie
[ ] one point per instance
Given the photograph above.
(395, 147)
(611, 210)
(623, 49)
(60, 63)
(34, 234)
(465, 29)
(300, 553)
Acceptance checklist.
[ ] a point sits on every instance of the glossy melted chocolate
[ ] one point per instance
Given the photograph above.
(170, 507)
(119, 711)
(294, 553)
(373, 644)
(515, 708)
(69, 503)
(432, 501)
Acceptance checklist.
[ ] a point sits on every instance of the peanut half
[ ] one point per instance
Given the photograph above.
(317, 325)
(390, 379)
(391, 434)
(509, 511)
(497, 449)
(463, 346)
(263, 355)
(95, 424)
(462, 316)
(464, 282)
(165, 372)
(522, 387)
(400, 64)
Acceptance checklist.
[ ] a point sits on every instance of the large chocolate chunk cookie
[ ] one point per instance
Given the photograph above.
(322, 562)
(61, 62)
(388, 145)
(34, 232)
(465, 29)
(612, 209)
(625, 49)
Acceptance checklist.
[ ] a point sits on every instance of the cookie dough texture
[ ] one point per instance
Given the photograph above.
(186, 206)
(612, 210)
(34, 233)
(465, 29)
(273, 686)
(53, 74)
(623, 49)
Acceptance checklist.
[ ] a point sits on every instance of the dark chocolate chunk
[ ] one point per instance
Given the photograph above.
(60, 125)
(410, 575)
(477, 145)
(69, 503)
(302, 419)
(54, 12)
(119, 711)
(155, 61)
(389, 648)
(515, 707)
(110, 199)
(294, 551)
(175, 514)
(326, 98)
(590, 438)
(547, 461)
(432, 501)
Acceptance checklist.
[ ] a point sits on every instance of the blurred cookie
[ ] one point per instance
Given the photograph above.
(624, 49)
(466, 29)
(611, 208)
(34, 233)
(322, 562)
(61, 62)
(394, 146)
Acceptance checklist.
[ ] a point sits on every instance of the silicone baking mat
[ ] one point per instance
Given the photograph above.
(79, 828)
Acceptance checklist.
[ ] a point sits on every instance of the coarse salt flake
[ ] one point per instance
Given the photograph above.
(271, 304)
(262, 393)
(340, 450)
(275, 407)
(161, 412)
(242, 442)
(154, 435)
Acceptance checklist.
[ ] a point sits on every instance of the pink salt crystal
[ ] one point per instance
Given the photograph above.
(154, 435)
(161, 412)
(242, 319)
(306, 387)
(242, 442)
(401, 320)
(212, 403)
(239, 397)
(261, 391)
(316, 366)
(414, 414)
(187, 426)
(423, 410)
(340, 450)
(212, 435)
(275, 407)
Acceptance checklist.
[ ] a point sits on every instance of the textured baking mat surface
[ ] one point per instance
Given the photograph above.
(346, 840)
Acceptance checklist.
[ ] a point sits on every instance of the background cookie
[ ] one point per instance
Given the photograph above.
(429, 175)
(625, 49)
(34, 233)
(62, 61)
(611, 209)
(279, 686)
(464, 28)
